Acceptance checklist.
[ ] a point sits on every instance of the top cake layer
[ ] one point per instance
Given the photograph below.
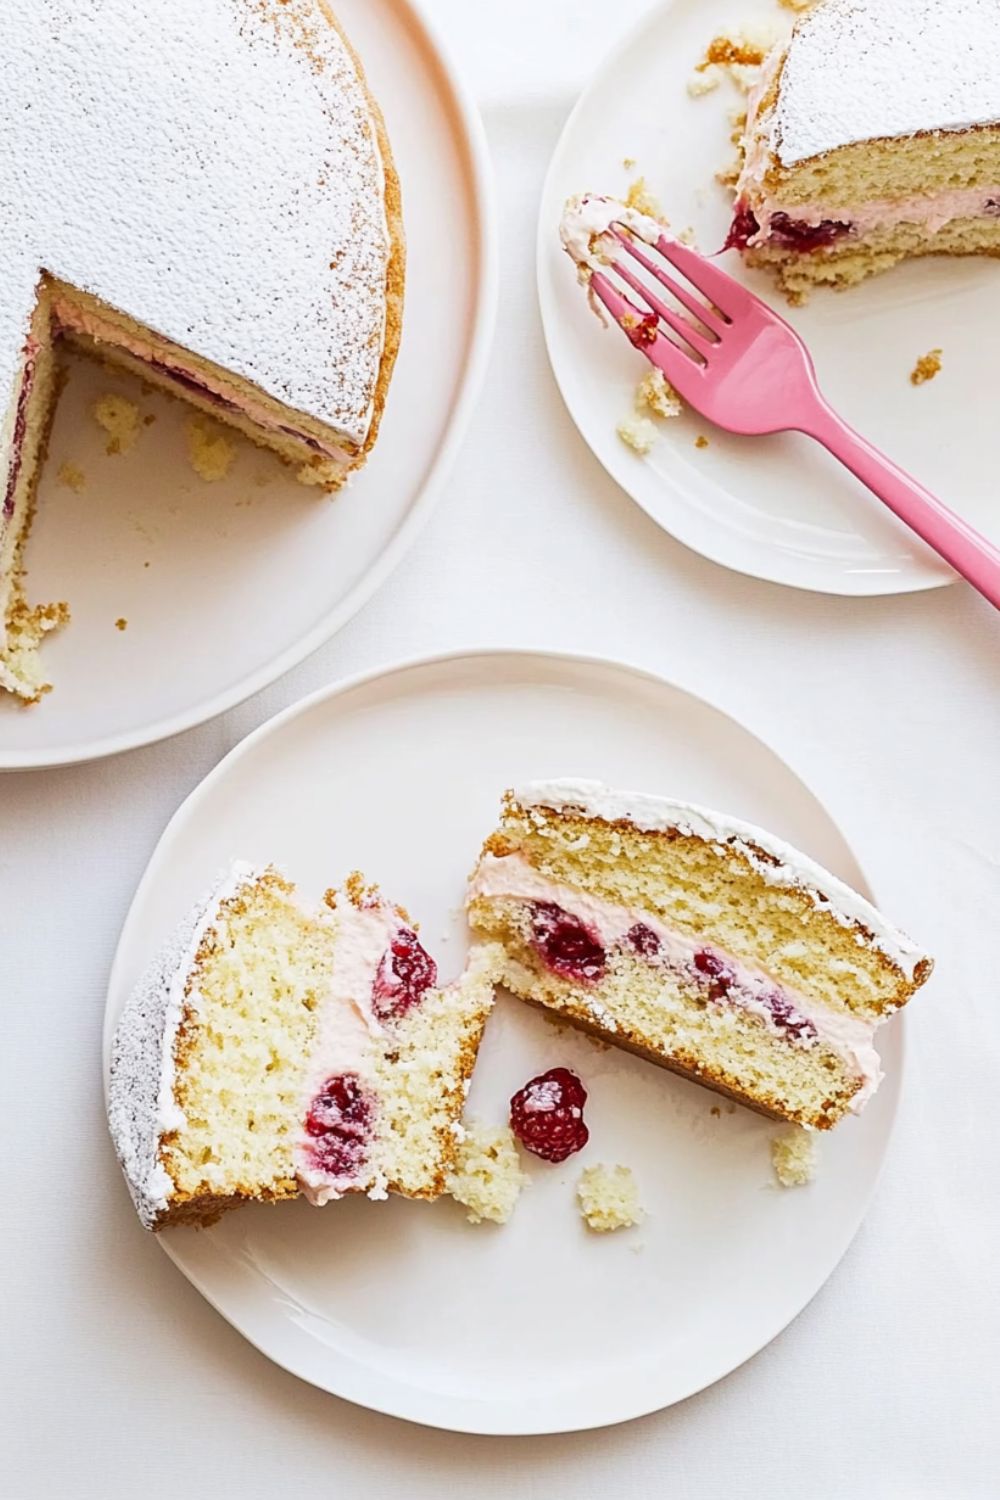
(859, 70)
(211, 168)
(775, 861)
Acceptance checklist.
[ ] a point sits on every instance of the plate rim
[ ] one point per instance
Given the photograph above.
(857, 585)
(341, 687)
(482, 328)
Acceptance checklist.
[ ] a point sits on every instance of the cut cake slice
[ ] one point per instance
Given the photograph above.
(273, 1050)
(695, 940)
(872, 136)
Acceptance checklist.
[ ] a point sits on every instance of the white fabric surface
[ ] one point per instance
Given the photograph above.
(121, 1382)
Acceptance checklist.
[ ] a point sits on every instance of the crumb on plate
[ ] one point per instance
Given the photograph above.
(655, 393)
(701, 441)
(609, 1198)
(642, 200)
(487, 1178)
(637, 433)
(121, 623)
(72, 477)
(209, 450)
(926, 367)
(795, 4)
(739, 56)
(793, 1156)
(119, 418)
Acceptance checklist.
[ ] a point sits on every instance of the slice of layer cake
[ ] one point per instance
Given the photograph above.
(696, 940)
(873, 135)
(273, 1050)
(203, 194)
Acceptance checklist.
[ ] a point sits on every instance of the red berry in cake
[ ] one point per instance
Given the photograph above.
(716, 971)
(644, 940)
(547, 1115)
(568, 946)
(796, 234)
(790, 1020)
(742, 230)
(405, 974)
(340, 1121)
(642, 330)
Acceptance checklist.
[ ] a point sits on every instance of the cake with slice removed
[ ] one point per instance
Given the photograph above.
(698, 941)
(872, 136)
(273, 1049)
(204, 194)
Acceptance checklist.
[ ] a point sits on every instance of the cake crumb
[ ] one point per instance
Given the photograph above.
(628, 162)
(655, 393)
(701, 441)
(149, 419)
(121, 623)
(739, 56)
(926, 367)
(796, 5)
(705, 80)
(119, 418)
(716, 1111)
(487, 1178)
(322, 474)
(210, 452)
(642, 200)
(637, 433)
(72, 477)
(793, 1156)
(609, 1198)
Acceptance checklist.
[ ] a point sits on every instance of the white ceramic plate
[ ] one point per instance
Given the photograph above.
(539, 1326)
(226, 586)
(778, 508)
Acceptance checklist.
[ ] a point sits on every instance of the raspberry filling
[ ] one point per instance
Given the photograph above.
(405, 974)
(569, 947)
(340, 1120)
(547, 1115)
(723, 986)
(784, 231)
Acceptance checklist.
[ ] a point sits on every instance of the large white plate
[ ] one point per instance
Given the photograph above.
(536, 1327)
(226, 586)
(778, 508)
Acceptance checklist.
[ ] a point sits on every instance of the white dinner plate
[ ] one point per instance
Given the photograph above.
(777, 508)
(223, 587)
(538, 1326)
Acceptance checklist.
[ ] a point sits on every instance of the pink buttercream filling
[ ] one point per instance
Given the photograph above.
(800, 1018)
(930, 211)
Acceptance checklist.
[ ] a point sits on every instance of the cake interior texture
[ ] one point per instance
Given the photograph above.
(263, 1057)
(837, 185)
(691, 951)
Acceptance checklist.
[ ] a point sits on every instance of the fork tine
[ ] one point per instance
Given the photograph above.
(685, 330)
(725, 293)
(680, 368)
(710, 316)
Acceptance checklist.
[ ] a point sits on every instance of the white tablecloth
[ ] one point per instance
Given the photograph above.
(120, 1382)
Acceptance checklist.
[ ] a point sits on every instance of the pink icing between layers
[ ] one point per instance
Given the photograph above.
(798, 1017)
(76, 320)
(380, 972)
(930, 211)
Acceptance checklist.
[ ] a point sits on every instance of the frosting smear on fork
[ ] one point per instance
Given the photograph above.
(585, 230)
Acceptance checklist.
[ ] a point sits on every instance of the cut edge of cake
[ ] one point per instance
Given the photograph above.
(240, 1072)
(696, 940)
(829, 194)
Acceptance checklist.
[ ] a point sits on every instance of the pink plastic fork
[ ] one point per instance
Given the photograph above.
(746, 369)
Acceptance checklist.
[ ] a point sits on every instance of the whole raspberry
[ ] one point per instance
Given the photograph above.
(547, 1115)
(339, 1119)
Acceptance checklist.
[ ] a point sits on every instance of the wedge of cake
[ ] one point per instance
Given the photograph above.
(873, 135)
(696, 940)
(273, 1050)
(207, 199)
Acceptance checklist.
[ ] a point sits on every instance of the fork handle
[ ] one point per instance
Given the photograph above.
(969, 553)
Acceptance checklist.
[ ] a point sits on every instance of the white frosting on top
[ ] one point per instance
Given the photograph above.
(859, 70)
(782, 865)
(141, 1103)
(210, 168)
(585, 224)
(511, 876)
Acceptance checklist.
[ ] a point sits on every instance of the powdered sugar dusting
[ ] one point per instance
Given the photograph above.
(210, 168)
(141, 1105)
(859, 70)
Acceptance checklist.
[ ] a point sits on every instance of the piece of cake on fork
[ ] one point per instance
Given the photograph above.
(696, 940)
(274, 1049)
